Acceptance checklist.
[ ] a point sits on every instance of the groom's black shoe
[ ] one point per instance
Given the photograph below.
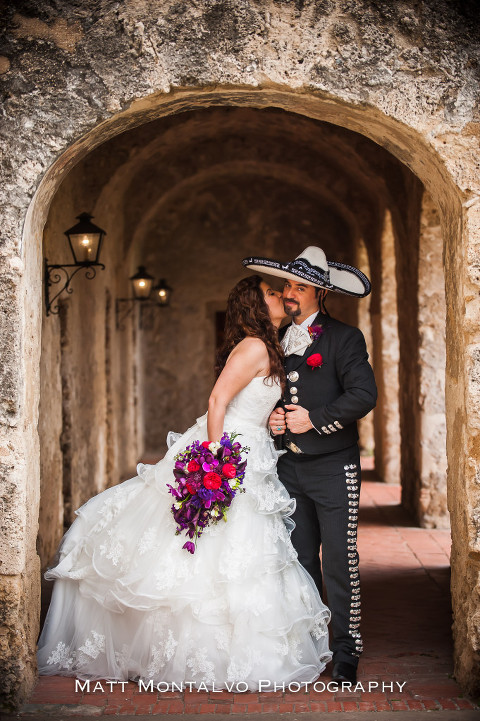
(343, 671)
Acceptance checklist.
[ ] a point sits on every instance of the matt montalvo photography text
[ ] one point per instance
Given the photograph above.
(241, 686)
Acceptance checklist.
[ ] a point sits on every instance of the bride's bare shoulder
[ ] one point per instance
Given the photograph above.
(251, 348)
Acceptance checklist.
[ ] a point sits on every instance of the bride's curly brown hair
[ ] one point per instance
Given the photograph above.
(248, 316)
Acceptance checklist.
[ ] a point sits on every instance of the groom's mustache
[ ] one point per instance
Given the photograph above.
(288, 300)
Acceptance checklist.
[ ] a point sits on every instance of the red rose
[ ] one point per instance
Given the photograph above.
(193, 467)
(212, 481)
(229, 470)
(191, 489)
(315, 360)
(205, 444)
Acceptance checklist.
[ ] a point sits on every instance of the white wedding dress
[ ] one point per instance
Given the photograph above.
(130, 603)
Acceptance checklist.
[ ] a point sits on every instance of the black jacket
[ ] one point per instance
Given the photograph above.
(336, 394)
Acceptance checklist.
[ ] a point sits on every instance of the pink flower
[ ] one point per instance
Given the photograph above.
(315, 361)
(229, 470)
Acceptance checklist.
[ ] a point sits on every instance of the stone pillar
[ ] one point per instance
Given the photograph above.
(431, 490)
(462, 391)
(364, 322)
(406, 227)
(387, 427)
(20, 288)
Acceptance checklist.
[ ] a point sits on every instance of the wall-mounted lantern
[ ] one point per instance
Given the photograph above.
(162, 293)
(142, 283)
(143, 292)
(85, 242)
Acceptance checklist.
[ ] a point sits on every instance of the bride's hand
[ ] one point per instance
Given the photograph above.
(277, 422)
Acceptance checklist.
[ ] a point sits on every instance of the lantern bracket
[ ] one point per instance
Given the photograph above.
(124, 307)
(53, 275)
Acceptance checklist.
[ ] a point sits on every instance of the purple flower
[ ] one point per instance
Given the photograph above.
(205, 493)
(189, 546)
(315, 331)
(206, 467)
(174, 491)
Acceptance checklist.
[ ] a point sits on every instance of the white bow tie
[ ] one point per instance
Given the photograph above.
(295, 340)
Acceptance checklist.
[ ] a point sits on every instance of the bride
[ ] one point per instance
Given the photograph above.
(130, 603)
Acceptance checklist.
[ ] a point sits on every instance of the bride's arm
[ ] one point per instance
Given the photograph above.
(247, 360)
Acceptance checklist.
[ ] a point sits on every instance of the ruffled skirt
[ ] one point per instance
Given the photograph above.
(130, 603)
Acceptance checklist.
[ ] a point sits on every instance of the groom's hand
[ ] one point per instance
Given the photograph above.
(277, 422)
(298, 420)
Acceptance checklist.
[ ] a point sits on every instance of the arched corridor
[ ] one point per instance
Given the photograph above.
(189, 196)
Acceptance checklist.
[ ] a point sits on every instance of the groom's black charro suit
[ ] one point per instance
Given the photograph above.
(324, 477)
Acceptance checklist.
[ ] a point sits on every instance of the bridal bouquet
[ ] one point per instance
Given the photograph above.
(207, 477)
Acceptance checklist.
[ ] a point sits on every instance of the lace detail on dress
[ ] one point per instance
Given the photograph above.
(319, 629)
(114, 549)
(147, 541)
(61, 657)
(199, 665)
(269, 496)
(294, 647)
(262, 464)
(78, 574)
(306, 598)
(274, 530)
(235, 560)
(121, 657)
(94, 646)
(114, 503)
(240, 669)
(162, 653)
(171, 571)
(256, 604)
(223, 637)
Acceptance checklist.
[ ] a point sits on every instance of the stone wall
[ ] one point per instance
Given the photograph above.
(404, 76)
(431, 487)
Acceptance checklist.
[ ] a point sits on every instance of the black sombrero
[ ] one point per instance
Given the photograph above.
(312, 267)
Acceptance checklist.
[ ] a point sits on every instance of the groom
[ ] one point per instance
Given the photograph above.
(330, 385)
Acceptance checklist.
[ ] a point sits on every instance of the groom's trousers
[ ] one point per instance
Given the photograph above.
(327, 490)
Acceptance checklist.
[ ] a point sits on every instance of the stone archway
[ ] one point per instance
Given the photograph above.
(44, 203)
(231, 67)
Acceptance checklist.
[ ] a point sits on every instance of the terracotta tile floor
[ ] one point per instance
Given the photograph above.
(406, 623)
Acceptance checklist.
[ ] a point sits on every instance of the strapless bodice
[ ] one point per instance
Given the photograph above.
(253, 405)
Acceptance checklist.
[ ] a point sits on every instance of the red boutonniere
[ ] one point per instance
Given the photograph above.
(315, 331)
(315, 361)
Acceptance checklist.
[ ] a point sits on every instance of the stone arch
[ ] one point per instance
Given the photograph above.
(76, 76)
(401, 141)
